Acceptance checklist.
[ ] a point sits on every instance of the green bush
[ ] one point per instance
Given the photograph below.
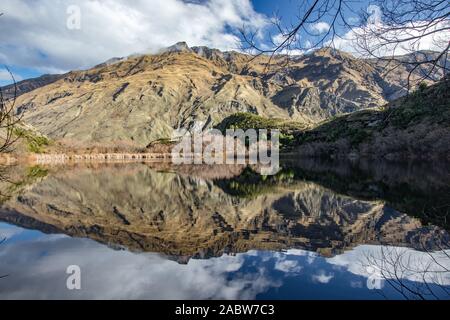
(36, 172)
(35, 143)
(423, 86)
(246, 121)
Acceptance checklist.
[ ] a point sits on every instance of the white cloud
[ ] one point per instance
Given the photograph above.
(311, 258)
(375, 14)
(320, 27)
(288, 266)
(278, 39)
(37, 270)
(435, 41)
(322, 277)
(6, 76)
(298, 252)
(411, 263)
(7, 232)
(109, 274)
(35, 34)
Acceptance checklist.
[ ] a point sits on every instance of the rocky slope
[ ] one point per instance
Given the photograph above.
(142, 98)
(188, 216)
(417, 126)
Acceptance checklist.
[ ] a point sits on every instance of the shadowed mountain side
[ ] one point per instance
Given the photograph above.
(187, 217)
(413, 127)
(28, 85)
(421, 189)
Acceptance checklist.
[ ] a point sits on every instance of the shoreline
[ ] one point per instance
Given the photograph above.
(155, 157)
(92, 157)
(101, 157)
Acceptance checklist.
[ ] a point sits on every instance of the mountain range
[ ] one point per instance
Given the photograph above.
(139, 99)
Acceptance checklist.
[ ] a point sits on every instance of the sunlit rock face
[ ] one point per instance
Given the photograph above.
(139, 99)
(187, 216)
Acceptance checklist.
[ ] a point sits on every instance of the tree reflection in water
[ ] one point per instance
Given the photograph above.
(414, 276)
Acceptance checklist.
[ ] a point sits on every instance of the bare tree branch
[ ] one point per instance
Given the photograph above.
(392, 34)
(8, 118)
(413, 277)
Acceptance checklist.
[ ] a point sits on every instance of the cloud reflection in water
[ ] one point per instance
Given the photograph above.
(37, 263)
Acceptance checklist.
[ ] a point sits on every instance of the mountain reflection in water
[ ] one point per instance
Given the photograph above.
(332, 229)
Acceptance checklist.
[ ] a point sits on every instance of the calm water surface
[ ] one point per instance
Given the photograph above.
(152, 231)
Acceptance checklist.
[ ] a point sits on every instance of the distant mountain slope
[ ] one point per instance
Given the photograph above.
(410, 61)
(143, 98)
(28, 85)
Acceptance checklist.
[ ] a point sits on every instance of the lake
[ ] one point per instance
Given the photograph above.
(316, 230)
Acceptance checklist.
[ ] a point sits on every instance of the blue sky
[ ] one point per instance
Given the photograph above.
(289, 12)
(288, 9)
(20, 73)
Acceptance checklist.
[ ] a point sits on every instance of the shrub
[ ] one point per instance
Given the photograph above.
(423, 86)
(35, 143)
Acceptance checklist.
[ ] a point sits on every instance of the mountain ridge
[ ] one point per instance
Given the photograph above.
(143, 98)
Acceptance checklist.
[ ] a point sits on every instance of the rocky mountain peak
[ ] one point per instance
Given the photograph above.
(181, 46)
